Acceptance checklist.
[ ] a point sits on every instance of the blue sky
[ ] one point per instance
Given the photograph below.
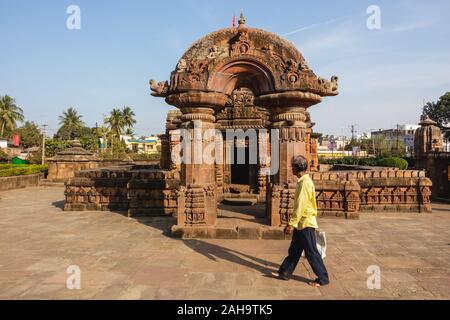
(384, 74)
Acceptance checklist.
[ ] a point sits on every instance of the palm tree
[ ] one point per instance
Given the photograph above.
(129, 132)
(10, 113)
(115, 122)
(128, 117)
(70, 122)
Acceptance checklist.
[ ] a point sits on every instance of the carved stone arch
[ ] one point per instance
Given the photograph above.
(282, 88)
(242, 71)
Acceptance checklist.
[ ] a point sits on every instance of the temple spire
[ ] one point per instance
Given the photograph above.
(241, 18)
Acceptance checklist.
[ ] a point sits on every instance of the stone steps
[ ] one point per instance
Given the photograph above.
(47, 183)
(255, 232)
(240, 201)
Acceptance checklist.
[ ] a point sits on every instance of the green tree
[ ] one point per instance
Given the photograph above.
(115, 122)
(30, 135)
(71, 124)
(128, 117)
(3, 156)
(53, 146)
(381, 146)
(10, 114)
(129, 132)
(439, 111)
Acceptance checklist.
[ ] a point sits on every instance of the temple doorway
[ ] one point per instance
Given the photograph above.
(240, 172)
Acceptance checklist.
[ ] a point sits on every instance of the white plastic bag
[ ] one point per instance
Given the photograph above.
(321, 241)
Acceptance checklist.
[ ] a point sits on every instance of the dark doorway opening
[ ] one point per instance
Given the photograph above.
(240, 170)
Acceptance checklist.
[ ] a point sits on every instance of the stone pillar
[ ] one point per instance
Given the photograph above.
(308, 146)
(170, 140)
(314, 164)
(164, 162)
(289, 115)
(264, 162)
(197, 196)
(292, 142)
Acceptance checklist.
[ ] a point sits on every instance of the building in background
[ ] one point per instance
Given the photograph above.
(143, 145)
(333, 146)
(3, 144)
(401, 134)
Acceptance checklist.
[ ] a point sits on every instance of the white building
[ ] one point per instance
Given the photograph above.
(147, 145)
(403, 133)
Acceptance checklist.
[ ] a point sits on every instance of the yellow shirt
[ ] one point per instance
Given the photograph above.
(305, 206)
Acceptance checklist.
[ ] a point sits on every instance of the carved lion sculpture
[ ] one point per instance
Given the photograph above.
(330, 86)
(160, 89)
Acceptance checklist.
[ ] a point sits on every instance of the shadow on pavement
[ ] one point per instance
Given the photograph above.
(59, 204)
(215, 252)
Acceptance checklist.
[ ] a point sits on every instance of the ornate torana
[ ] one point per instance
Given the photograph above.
(274, 62)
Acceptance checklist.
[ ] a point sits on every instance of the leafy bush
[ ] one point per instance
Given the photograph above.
(393, 162)
(53, 146)
(411, 161)
(9, 170)
(3, 156)
(145, 157)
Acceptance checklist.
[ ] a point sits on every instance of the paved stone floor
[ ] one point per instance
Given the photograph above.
(122, 258)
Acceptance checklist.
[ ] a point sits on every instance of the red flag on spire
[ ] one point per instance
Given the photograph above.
(234, 20)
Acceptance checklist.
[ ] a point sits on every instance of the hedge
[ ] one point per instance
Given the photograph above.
(145, 157)
(8, 170)
(393, 162)
(3, 156)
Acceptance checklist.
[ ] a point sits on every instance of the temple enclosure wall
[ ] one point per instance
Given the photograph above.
(147, 191)
(18, 182)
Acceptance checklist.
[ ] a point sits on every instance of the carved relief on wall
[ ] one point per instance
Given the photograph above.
(242, 45)
(240, 109)
(195, 70)
(217, 52)
(242, 97)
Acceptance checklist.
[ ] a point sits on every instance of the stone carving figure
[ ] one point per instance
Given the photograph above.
(182, 65)
(329, 86)
(159, 89)
(216, 52)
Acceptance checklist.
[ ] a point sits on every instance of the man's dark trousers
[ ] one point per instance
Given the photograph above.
(304, 240)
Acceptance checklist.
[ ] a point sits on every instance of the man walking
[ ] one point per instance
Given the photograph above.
(304, 225)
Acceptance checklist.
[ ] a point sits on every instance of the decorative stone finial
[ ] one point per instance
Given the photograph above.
(428, 122)
(241, 20)
(76, 143)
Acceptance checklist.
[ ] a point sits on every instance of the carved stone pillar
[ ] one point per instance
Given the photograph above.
(197, 196)
(288, 115)
(164, 162)
(308, 146)
(174, 142)
(170, 139)
(264, 162)
(314, 164)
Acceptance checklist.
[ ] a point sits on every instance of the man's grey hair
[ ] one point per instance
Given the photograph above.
(299, 164)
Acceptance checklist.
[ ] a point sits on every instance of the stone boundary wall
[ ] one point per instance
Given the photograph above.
(18, 182)
(143, 192)
(378, 190)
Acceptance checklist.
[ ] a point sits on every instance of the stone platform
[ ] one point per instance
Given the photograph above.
(235, 222)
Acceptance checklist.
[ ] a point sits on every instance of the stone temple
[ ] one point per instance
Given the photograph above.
(242, 79)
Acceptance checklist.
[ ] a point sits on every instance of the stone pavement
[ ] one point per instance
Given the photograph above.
(123, 258)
